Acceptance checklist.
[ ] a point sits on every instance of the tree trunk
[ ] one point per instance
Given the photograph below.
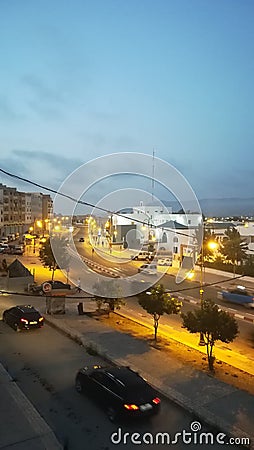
(211, 358)
(156, 324)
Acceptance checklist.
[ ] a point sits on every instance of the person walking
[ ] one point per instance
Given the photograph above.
(79, 285)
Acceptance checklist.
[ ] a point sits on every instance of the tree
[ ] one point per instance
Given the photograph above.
(109, 293)
(150, 247)
(233, 248)
(57, 259)
(156, 302)
(203, 239)
(214, 324)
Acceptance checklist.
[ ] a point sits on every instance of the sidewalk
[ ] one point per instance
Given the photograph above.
(212, 401)
(21, 427)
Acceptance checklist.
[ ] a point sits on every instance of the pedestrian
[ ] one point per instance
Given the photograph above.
(79, 285)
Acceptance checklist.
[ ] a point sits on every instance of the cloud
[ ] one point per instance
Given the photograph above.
(7, 112)
(42, 91)
(45, 168)
(45, 100)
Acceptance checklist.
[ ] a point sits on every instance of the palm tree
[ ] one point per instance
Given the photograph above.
(233, 247)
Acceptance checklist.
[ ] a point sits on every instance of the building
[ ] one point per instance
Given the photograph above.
(143, 224)
(20, 210)
(12, 205)
(246, 231)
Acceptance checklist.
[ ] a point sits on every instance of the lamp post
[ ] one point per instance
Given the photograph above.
(201, 290)
(212, 246)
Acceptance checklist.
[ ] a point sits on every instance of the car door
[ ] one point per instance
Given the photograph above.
(97, 380)
(12, 316)
(105, 389)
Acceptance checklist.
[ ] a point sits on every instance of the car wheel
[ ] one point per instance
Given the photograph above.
(78, 386)
(4, 318)
(111, 413)
(17, 328)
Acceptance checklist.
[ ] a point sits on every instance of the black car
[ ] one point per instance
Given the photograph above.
(23, 317)
(58, 285)
(120, 390)
(81, 239)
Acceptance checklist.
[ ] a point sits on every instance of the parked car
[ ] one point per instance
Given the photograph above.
(55, 285)
(4, 248)
(23, 317)
(148, 269)
(120, 391)
(164, 262)
(14, 249)
(18, 250)
(81, 239)
(4, 240)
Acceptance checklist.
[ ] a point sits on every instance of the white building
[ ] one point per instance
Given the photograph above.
(246, 231)
(174, 232)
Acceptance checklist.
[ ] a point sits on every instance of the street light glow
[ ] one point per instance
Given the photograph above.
(212, 245)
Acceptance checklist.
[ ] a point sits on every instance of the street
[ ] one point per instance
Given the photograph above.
(44, 363)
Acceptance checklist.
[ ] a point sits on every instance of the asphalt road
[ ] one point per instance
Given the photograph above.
(44, 362)
(244, 343)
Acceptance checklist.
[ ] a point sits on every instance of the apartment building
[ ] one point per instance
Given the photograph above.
(19, 210)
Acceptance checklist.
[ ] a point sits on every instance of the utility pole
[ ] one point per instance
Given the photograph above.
(201, 290)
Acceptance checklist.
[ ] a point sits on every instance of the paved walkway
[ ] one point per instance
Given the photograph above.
(211, 400)
(21, 426)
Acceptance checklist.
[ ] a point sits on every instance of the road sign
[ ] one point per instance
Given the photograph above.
(46, 287)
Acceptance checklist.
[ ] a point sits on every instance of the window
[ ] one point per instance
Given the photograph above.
(98, 376)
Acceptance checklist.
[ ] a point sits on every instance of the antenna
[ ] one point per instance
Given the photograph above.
(153, 177)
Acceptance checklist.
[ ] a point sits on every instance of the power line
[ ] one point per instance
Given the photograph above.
(88, 297)
(53, 191)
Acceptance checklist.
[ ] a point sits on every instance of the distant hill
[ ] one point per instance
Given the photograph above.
(228, 207)
(222, 207)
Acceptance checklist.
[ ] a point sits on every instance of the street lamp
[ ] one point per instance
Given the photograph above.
(201, 290)
(212, 246)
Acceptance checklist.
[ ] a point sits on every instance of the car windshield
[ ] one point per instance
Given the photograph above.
(31, 315)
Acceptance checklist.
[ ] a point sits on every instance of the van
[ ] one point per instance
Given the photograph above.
(148, 269)
(142, 256)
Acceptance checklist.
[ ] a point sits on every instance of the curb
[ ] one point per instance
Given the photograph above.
(99, 267)
(176, 397)
(236, 314)
(39, 425)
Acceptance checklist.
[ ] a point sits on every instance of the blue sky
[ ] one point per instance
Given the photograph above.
(82, 79)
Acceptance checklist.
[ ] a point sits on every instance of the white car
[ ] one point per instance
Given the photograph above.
(165, 262)
(148, 269)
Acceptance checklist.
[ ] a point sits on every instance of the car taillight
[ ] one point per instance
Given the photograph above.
(131, 407)
(24, 320)
(41, 319)
(156, 400)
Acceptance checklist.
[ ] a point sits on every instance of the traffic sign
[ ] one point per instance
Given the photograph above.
(46, 287)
